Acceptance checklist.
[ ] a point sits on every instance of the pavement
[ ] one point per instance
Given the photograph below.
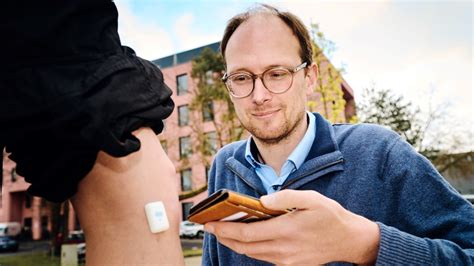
(28, 247)
(191, 243)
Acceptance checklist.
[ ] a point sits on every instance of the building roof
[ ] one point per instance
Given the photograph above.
(183, 57)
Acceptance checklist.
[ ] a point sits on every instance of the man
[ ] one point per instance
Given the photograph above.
(79, 115)
(362, 195)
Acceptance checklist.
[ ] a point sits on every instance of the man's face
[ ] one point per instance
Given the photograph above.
(260, 43)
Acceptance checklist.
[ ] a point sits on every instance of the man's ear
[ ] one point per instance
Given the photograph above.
(311, 78)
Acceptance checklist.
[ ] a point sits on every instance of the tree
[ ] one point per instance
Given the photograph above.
(210, 103)
(212, 97)
(331, 102)
(383, 108)
(416, 127)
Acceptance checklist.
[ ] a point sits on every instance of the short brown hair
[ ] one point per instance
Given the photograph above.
(292, 21)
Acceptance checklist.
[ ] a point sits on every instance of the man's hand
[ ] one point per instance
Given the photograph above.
(319, 231)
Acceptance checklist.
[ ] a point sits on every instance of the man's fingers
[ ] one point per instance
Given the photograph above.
(243, 232)
(272, 251)
(273, 228)
(290, 199)
(258, 250)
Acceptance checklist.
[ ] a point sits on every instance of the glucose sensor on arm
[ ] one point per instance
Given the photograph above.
(156, 216)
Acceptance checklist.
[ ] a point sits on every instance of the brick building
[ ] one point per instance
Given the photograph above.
(35, 216)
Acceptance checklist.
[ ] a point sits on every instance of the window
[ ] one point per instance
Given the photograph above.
(44, 227)
(164, 145)
(27, 201)
(210, 142)
(44, 221)
(186, 207)
(186, 181)
(14, 178)
(208, 169)
(183, 115)
(208, 111)
(184, 147)
(182, 84)
(27, 222)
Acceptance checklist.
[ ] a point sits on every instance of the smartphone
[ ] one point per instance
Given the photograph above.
(228, 205)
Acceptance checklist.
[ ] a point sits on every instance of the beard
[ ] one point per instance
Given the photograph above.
(273, 137)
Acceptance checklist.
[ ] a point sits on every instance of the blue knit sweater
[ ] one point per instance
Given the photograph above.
(370, 171)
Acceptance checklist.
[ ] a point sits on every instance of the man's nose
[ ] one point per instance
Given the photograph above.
(260, 93)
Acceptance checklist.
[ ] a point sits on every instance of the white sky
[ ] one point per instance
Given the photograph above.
(419, 49)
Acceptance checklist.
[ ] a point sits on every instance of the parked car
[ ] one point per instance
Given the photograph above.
(8, 243)
(81, 252)
(10, 229)
(189, 229)
(73, 237)
(77, 237)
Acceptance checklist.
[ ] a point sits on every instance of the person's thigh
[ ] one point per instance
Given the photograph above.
(110, 205)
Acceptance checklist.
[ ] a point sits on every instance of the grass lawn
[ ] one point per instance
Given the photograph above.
(42, 258)
(39, 258)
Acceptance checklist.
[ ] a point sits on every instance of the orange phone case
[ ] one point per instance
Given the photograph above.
(227, 205)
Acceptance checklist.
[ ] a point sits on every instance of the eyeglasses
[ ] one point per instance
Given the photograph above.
(276, 80)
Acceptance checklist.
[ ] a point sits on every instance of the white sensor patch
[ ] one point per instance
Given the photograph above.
(156, 216)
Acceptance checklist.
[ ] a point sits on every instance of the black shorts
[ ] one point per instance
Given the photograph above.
(56, 118)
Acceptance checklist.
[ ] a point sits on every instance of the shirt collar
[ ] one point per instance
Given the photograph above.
(298, 155)
(250, 150)
(301, 151)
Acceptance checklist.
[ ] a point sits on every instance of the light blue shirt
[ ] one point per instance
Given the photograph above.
(270, 180)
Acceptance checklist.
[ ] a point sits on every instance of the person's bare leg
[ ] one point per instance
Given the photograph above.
(110, 205)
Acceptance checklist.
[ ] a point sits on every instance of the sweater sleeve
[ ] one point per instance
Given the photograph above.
(400, 248)
(432, 224)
